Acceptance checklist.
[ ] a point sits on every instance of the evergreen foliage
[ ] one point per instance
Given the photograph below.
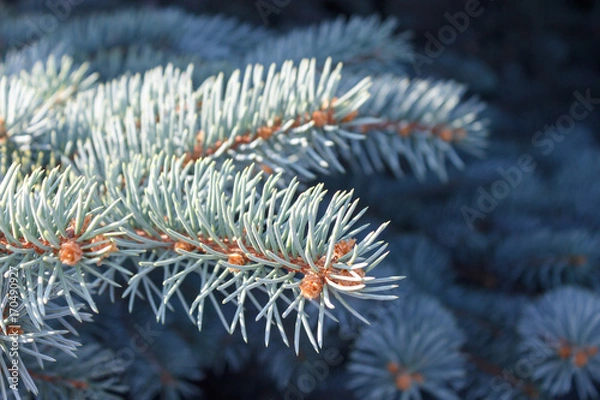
(179, 208)
(411, 350)
(563, 330)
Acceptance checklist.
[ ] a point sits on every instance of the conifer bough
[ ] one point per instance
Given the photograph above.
(172, 189)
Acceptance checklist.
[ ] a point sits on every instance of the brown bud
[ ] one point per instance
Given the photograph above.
(181, 245)
(581, 359)
(70, 252)
(564, 351)
(237, 259)
(320, 118)
(403, 381)
(311, 286)
(343, 247)
(392, 368)
(446, 134)
(264, 132)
